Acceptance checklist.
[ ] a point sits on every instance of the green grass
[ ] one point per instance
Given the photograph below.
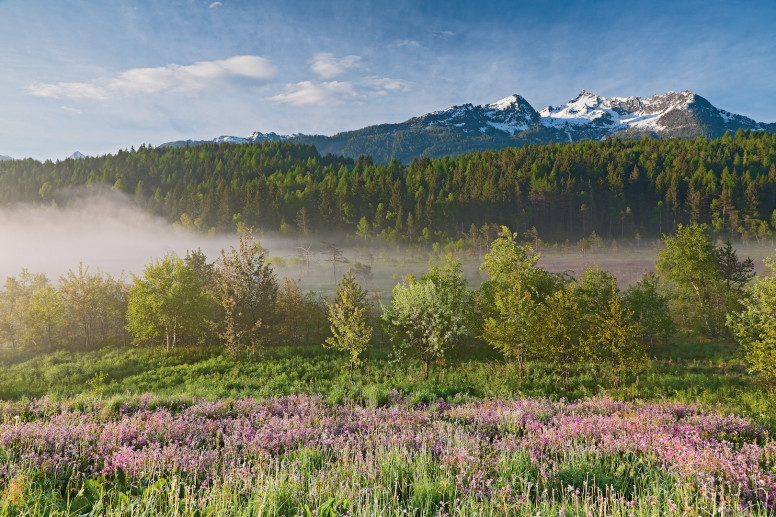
(709, 373)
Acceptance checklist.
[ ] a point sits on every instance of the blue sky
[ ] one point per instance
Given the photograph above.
(101, 76)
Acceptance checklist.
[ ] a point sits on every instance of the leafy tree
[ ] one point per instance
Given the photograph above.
(168, 302)
(46, 317)
(511, 298)
(650, 306)
(754, 327)
(96, 302)
(349, 318)
(197, 261)
(615, 335)
(689, 262)
(559, 329)
(14, 304)
(427, 316)
(363, 228)
(245, 290)
(594, 292)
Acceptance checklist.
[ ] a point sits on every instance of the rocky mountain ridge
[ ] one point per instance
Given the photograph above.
(512, 121)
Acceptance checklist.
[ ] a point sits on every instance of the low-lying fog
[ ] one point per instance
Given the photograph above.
(108, 232)
(100, 227)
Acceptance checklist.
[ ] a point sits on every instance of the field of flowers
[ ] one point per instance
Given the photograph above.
(304, 455)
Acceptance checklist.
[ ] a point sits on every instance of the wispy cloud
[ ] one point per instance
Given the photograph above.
(74, 111)
(214, 5)
(385, 85)
(443, 34)
(184, 79)
(307, 93)
(406, 43)
(327, 66)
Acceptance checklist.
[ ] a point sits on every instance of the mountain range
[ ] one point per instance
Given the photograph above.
(513, 122)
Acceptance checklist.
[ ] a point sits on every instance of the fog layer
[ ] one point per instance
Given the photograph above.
(100, 227)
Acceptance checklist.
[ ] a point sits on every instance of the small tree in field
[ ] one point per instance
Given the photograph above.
(245, 290)
(428, 315)
(512, 298)
(615, 336)
(755, 326)
(168, 302)
(650, 306)
(348, 315)
(559, 330)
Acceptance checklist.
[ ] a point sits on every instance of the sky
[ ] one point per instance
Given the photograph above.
(99, 76)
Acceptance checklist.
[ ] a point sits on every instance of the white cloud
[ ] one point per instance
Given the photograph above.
(443, 34)
(383, 85)
(214, 5)
(185, 79)
(74, 111)
(327, 66)
(307, 92)
(406, 43)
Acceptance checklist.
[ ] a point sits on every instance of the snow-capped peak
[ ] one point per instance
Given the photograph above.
(513, 102)
(76, 156)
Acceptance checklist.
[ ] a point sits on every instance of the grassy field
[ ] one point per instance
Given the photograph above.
(124, 431)
(710, 373)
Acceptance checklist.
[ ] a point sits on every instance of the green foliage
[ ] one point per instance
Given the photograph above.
(245, 290)
(614, 336)
(650, 306)
(168, 302)
(755, 326)
(512, 298)
(96, 303)
(689, 262)
(46, 318)
(595, 291)
(708, 283)
(14, 305)
(559, 330)
(574, 191)
(349, 318)
(427, 316)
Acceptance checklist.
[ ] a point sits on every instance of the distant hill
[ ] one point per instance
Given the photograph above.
(513, 122)
(615, 188)
(4, 158)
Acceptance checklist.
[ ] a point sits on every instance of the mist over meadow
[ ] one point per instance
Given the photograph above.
(107, 231)
(98, 226)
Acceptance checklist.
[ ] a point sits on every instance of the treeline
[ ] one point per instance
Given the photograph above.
(522, 310)
(614, 188)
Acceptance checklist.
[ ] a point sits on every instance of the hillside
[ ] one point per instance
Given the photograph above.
(615, 188)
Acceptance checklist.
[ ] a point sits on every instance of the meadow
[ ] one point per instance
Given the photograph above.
(136, 431)
(658, 424)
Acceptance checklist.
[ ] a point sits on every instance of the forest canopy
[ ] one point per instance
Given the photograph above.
(615, 188)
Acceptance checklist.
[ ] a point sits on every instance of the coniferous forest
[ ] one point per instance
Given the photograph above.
(615, 188)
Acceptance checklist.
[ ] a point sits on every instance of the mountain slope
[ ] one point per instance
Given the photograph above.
(513, 122)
